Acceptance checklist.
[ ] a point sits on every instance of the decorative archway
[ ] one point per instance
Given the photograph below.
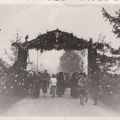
(57, 40)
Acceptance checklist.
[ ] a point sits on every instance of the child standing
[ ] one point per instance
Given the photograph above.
(83, 89)
(53, 84)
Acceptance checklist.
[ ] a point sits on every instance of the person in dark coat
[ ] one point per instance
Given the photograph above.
(31, 77)
(74, 84)
(45, 81)
(67, 80)
(39, 75)
(30, 81)
(60, 84)
(36, 86)
(95, 87)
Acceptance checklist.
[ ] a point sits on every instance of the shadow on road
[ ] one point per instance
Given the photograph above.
(7, 100)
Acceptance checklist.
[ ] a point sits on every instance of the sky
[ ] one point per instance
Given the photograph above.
(83, 21)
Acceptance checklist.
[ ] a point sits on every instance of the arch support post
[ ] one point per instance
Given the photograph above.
(93, 71)
(21, 62)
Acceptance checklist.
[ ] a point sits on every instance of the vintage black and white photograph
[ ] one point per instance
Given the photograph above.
(59, 60)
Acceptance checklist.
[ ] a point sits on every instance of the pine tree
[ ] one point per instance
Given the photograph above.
(114, 21)
(12, 54)
(111, 82)
(15, 80)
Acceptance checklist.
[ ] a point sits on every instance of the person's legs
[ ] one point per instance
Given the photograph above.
(82, 96)
(43, 92)
(53, 91)
(75, 92)
(38, 89)
(45, 89)
(86, 96)
(71, 91)
(35, 92)
(59, 91)
(95, 98)
(81, 99)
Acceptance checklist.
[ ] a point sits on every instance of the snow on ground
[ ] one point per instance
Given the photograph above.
(58, 106)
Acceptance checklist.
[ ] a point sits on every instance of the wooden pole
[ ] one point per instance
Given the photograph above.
(35, 76)
(37, 61)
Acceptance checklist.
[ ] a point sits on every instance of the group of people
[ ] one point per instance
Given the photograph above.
(78, 84)
(43, 81)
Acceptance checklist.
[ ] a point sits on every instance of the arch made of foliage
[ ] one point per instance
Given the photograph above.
(57, 40)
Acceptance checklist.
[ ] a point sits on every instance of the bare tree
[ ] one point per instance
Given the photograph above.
(12, 53)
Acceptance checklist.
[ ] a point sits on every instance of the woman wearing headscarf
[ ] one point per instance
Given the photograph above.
(74, 84)
(60, 84)
(45, 81)
(36, 86)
